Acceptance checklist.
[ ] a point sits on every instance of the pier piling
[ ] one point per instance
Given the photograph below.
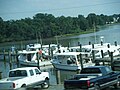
(115, 43)
(102, 56)
(92, 45)
(4, 54)
(80, 47)
(101, 43)
(58, 79)
(81, 61)
(38, 63)
(51, 53)
(10, 59)
(89, 43)
(0, 75)
(17, 61)
(111, 57)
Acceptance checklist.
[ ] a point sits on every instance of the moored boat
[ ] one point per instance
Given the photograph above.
(32, 58)
(69, 61)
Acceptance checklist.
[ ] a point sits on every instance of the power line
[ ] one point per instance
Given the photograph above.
(60, 8)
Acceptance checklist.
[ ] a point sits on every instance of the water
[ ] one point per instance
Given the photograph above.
(111, 33)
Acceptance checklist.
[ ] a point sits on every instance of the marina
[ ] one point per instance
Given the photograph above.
(9, 61)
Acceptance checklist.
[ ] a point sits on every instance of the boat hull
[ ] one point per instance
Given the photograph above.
(66, 67)
(70, 67)
(30, 63)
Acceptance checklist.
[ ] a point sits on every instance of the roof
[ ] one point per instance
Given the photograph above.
(27, 52)
(104, 48)
(70, 53)
(95, 66)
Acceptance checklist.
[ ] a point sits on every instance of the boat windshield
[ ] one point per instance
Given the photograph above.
(66, 59)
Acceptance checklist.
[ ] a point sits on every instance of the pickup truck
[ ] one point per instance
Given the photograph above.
(24, 77)
(93, 78)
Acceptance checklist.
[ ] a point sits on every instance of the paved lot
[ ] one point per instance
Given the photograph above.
(60, 87)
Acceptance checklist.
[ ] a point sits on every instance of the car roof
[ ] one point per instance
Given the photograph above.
(95, 66)
(24, 68)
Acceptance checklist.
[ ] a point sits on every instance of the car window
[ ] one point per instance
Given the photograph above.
(31, 72)
(18, 73)
(37, 71)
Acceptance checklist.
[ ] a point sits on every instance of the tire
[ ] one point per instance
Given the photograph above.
(24, 85)
(97, 87)
(45, 85)
(116, 85)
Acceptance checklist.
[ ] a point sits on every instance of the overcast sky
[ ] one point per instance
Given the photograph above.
(17, 9)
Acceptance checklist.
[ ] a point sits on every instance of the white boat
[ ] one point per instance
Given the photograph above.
(33, 46)
(47, 50)
(106, 47)
(32, 58)
(106, 50)
(69, 61)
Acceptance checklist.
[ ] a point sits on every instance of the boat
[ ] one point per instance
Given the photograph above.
(69, 61)
(106, 51)
(47, 50)
(106, 47)
(32, 58)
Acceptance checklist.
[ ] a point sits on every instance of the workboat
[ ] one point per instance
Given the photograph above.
(32, 58)
(97, 48)
(47, 50)
(70, 61)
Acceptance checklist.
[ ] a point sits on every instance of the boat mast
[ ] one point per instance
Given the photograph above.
(40, 39)
(57, 39)
(94, 27)
(37, 36)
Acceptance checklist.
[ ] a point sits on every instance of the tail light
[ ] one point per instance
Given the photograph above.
(88, 83)
(13, 85)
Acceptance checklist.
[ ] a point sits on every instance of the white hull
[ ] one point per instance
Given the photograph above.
(66, 67)
(33, 63)
(70, 67)
(69, 61)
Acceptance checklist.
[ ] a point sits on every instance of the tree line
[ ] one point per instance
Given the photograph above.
(47, 25)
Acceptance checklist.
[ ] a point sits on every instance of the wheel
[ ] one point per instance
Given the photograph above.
(97, 87)
(117, 85)
(45, 84)
(24, 85)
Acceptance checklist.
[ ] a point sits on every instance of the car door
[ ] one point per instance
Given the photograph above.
(39, 75)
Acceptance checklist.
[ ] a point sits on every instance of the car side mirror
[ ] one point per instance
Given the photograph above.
(39, 72)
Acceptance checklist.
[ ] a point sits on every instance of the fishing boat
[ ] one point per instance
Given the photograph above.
(32, 58)
(69, 61)
(106, 51)
(47, 50)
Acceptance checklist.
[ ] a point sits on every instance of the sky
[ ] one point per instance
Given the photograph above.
(20, 9)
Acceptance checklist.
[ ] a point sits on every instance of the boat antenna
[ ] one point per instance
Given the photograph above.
(94, 27)
(57, 39)
(101, 38)
(37, 36)
(40, 39)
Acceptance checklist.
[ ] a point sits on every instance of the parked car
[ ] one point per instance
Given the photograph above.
(93, 78)
(24, 77)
